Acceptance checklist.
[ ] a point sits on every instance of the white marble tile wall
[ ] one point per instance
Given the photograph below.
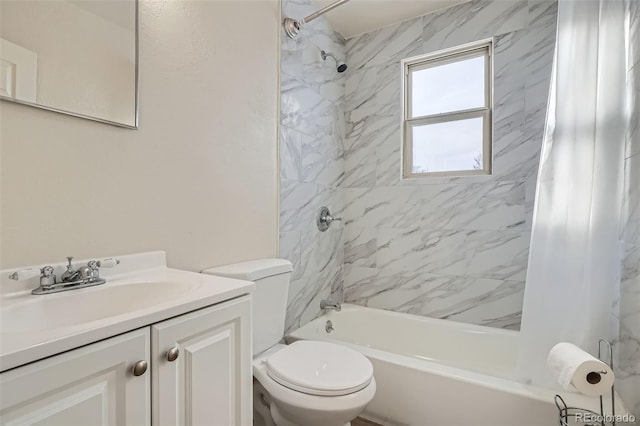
(448, 248)
(311, 163)
(628, 342)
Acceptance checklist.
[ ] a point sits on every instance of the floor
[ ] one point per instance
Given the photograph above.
(359, 421)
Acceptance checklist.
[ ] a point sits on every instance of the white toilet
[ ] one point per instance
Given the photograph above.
(306, 383)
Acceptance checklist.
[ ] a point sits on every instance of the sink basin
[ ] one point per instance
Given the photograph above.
(139, 292)
(90, 304)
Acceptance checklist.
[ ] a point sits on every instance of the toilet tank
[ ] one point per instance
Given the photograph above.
(269, 306)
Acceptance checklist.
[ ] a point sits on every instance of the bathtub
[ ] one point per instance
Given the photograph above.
(441, 373)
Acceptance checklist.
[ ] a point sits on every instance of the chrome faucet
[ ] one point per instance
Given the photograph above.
(69, 275)
(330, 305)
(86, 273)
(73, 278)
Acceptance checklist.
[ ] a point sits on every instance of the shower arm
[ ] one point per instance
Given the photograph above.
(293, 26)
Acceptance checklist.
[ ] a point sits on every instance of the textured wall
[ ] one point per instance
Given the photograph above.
(311, 163)
(198, 179)
(628, 344)
(446, 248)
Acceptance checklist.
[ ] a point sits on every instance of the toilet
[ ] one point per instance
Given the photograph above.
(306, 383)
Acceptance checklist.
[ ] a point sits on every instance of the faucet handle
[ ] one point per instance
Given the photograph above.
(108, 263)
(94, 272)
(93, 267)
(46, 274)
(25, 274)
(330, 219)
(325, 219)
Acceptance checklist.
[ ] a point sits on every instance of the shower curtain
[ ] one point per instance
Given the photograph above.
(574, 261)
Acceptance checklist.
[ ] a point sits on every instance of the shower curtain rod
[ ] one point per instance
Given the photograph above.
(293, 26)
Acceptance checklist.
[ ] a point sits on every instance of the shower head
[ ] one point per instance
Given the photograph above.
(340, 66)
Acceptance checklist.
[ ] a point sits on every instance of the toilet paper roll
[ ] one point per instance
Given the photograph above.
(570, 365)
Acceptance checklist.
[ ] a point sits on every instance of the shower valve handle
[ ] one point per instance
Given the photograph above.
(328, 218)
(324, 219)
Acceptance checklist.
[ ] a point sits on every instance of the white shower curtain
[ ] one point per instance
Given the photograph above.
(574, 263)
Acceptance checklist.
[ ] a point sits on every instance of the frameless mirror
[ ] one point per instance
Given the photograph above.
(77, 57)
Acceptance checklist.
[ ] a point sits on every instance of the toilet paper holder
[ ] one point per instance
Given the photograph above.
(566, 413)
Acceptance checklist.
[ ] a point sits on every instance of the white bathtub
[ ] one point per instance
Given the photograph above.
(432, 372)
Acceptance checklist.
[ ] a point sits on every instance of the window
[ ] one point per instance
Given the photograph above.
(447, 113)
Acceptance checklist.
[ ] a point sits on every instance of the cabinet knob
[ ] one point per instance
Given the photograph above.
(172, 354)
(139, 368)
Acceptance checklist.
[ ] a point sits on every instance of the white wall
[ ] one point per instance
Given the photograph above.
(198, 179)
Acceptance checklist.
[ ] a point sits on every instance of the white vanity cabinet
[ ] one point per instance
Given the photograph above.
(92, 385)
(201, 367)
(208, 383)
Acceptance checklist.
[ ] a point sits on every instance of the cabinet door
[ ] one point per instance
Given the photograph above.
(209, 383)
(92, 385)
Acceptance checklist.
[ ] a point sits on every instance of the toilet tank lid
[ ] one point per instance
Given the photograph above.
(252, 270)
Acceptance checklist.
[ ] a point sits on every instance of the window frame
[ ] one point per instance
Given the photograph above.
(443, 57)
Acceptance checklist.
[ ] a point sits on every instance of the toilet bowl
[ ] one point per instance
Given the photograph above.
(306, 383)
(314, 383)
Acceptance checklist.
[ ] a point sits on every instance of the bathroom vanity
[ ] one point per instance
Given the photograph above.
(153, 345)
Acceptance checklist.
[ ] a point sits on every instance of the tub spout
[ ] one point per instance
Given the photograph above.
(329, 304)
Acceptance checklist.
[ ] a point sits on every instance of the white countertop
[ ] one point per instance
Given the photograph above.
(23, 340)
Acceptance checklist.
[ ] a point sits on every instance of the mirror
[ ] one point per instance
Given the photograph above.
(77, 57)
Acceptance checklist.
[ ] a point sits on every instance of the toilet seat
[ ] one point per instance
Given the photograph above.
(320, 368)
